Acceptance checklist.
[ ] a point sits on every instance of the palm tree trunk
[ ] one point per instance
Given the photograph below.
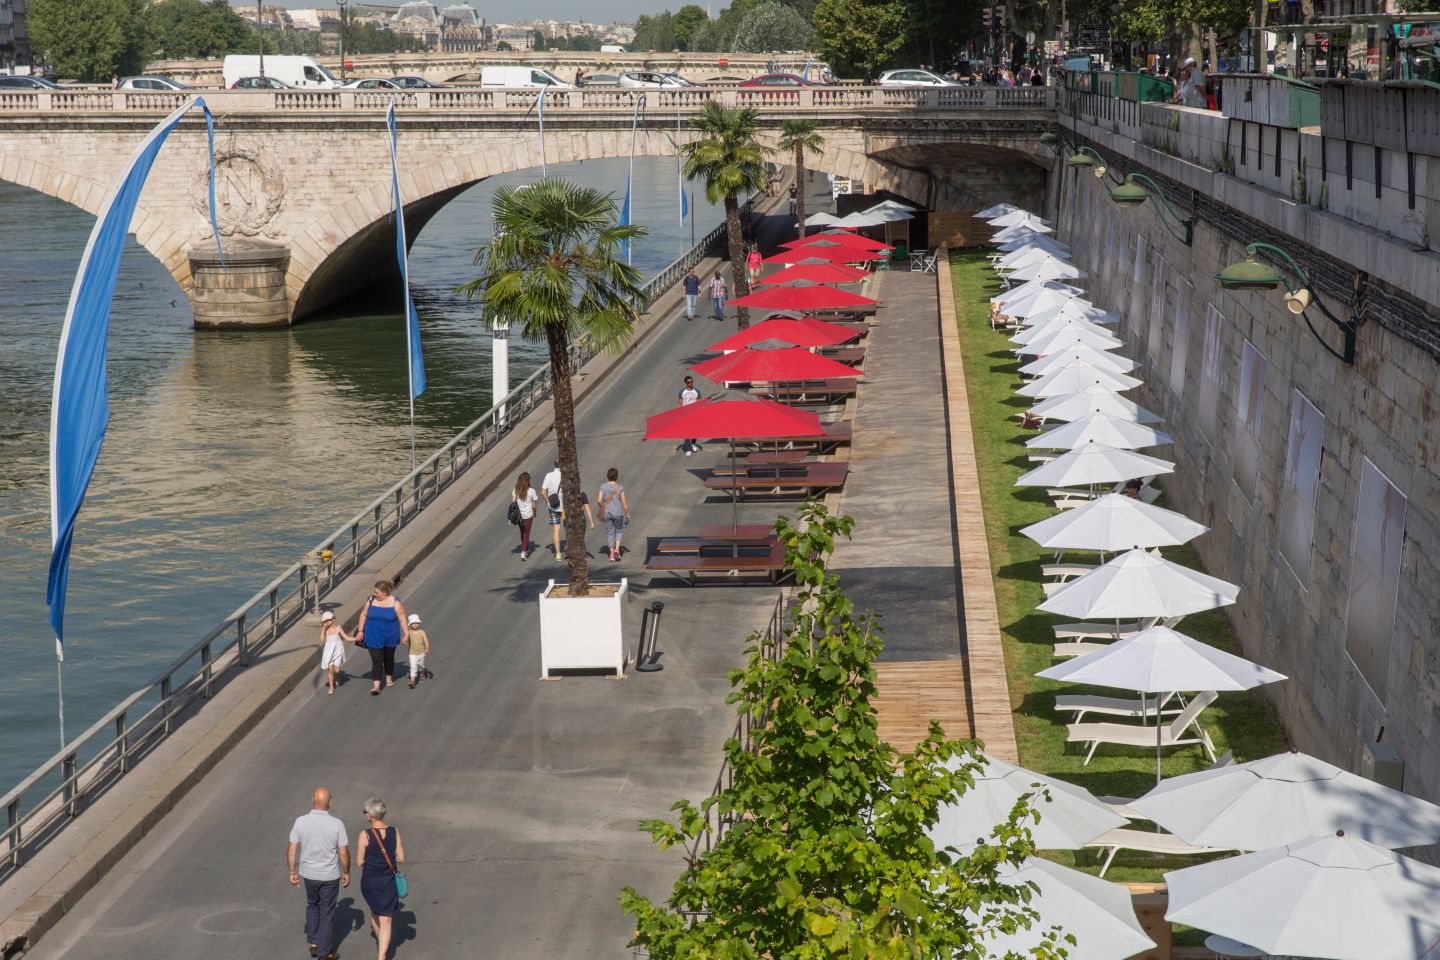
(800, 187)
(559, 343)
(737, 257)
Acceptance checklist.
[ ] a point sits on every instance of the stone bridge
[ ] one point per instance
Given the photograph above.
(303, 179)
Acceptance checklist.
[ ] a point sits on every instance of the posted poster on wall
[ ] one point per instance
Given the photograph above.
(1180, 342)
(1301, 485)
(1245, 465)
(1375, 555)
(1155, 336)
(1210, 373)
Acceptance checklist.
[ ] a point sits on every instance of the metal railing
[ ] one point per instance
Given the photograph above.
(521, 102)
(39, 807)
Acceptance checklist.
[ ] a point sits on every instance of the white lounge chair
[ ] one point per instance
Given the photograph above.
(1146, 841)
(1065, 571)
(1129, 735)
(1106, 631)
(1143, 710)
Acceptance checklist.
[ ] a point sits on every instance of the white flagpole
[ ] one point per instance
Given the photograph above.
(544, 166)
(630, 176)
(60, 685)
(404, 273)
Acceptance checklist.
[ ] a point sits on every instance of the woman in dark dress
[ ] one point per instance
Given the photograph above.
(381, 853)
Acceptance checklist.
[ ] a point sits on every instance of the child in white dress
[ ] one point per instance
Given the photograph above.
(333, 654)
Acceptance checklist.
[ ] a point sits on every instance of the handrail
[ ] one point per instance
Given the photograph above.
(193, 676)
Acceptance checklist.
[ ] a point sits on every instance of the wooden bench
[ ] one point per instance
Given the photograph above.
(815, 479)
(848, 355)
(774, 456)
(773, 469)
(834, 434)
(811, 392)
(729, 569)
(710, 547)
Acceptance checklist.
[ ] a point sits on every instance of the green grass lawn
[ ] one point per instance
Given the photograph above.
(1243, 723)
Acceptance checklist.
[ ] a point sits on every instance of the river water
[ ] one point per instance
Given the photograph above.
(228, 454)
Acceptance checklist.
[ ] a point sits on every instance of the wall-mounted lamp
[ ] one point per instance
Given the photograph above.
(1133, 192)
(1252, 274)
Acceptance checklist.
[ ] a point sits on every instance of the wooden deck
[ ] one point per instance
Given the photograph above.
(909, 693)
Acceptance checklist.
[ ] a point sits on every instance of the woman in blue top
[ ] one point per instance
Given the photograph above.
(380, 631)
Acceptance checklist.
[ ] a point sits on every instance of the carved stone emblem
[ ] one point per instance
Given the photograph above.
(248, 191)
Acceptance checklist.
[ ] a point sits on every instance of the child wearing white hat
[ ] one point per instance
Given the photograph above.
(332, 657)
(419, 643)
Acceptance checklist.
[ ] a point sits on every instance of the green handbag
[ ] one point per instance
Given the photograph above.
(402, 886)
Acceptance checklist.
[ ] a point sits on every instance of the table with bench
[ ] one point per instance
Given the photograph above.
(832, 435)
(767, 563)
(809, 480)
(811, 392)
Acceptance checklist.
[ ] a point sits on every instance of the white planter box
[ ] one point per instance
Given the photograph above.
(583, 633)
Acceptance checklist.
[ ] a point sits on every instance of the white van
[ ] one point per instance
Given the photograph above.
(611, 48)
(292, 71)
(515, 77)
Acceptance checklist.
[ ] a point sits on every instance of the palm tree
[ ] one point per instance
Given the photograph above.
(554, 269)
(730, 158)
(799, 137)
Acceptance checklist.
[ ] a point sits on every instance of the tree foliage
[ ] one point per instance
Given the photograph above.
(689, 24)
(655, 33)
(186, 29)
(91, 41)
(827, 854)
(799, 137)
(856, 35)
(771, 26)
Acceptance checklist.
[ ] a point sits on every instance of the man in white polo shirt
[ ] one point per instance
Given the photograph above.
(319, 854)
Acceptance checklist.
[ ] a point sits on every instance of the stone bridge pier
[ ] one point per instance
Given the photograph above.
(303, 198)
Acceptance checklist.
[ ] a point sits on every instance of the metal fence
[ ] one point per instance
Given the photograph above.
(44, 802)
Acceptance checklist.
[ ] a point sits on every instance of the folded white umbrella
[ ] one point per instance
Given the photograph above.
(1336, 897)
(1287, 798)
(1115, 522)
(1138, 585)
(1160, 660)
(1033, 287)
(1095, 398)
(1061, 339)
(858, 219)
(821, 219)
(1094, 463)
(1077, 376)
(1027, 255)
(1100, 915)
(998, 210)
(1077, 310)
(1034, 240)
(1099, 428)
(1016, 218)
(1036, 301)
(889, 210)
(1068, 819)
(1048, 270)
(1021, 232)
(1078, 353)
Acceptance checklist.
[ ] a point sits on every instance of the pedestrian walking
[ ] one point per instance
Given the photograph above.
(380, 632)
(692, 293)
(550, 490)
(792, 199)
(332, 653)
(752, 263)
(717, 294)
(524, 498)
(319, 854)
(419, 643)
(615, 510)
(688, 395)
(381, 853)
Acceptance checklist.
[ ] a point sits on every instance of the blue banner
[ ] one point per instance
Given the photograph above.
(80, 403)
(402, 255)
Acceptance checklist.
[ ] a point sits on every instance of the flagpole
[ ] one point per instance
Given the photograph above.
(60, 686)
(407, 306)
(630, 177)
(544, 165)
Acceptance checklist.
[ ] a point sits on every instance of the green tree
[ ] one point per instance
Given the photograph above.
(689, 23)
(582, 42)
(655, 33)
(91, 41)
(186, 29)
(800, 138)
(553, 269)
(827, 854)
(503, 45)
(729, 158)
(937, 31)
(771, 26)
(859, 35)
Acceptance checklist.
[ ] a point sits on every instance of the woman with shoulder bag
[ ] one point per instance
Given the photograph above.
(381, 853)
(522, 504)
(380, 632)
(615, 510)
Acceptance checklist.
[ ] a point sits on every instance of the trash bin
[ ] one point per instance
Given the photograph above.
(901, 253)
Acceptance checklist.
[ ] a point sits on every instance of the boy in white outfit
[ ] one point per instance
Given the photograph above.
(419, 642)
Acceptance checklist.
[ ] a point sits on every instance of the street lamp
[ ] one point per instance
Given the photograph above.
(1252, 274)
(1133, 192)
(1091, 158)
(260, 36)
(341, 5)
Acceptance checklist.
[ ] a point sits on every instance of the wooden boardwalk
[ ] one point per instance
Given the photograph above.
(910, 693)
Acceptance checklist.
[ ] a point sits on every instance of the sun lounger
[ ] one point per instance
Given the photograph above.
(691, 567)
(1127, 707)
(1065, 571)
(1065, 651)
(1105, 631)
(1130, 735)
(812, 479)
(1146, 841)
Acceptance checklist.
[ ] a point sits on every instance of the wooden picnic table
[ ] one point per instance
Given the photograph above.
(730, 531)
(850, 355)
(775, 456)
(809, 392)
(812, 479)
(833, 434)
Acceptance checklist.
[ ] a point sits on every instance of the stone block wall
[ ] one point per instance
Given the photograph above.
(1385, 408)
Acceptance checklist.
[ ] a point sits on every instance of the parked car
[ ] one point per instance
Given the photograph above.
(149, 83)
(259, 83)
(28, 83)
(598, 80)
(520, 77)
(649, 80)
(411, 82)
(778, 80)
(370, 83)
(724, 81)
(914, 78)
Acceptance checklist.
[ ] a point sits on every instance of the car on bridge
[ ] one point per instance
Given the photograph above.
(260, 83)
(150, 83)
(412, 82)
(32, 84)
(649, 80)
(598, 80)
(779, 80)
(914, 78)
(370, 83)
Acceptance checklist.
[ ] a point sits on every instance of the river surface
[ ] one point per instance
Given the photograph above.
(228, 454)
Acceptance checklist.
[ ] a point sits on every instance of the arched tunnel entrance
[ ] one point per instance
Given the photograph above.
(965, 176)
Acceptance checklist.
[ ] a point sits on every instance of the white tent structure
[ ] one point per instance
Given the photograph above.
(1137, 584)
(1077, 376)
(1054, 339)
(1114, 522)
(998, 210)
(1099, 428)
(1078, 353)
(1035, 241)
(1019, 218)
(1100, 915)
(1033, 287)
(1091, 464)
(1093, 399)
(1047, 270)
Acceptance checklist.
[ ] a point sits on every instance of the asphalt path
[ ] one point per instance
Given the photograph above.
(517, 798)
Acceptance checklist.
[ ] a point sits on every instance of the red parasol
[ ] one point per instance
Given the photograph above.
(802, 298)
(837, 240)
(806, 332)
(828, 254)
(814, 273)
(773, 366)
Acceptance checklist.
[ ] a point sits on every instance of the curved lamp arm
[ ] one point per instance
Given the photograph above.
(1102, 169)
(1157, 197)
(1348, 328)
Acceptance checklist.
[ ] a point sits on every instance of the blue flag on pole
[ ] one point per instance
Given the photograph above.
(80, 403)
(625, 210)
(412, 319)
